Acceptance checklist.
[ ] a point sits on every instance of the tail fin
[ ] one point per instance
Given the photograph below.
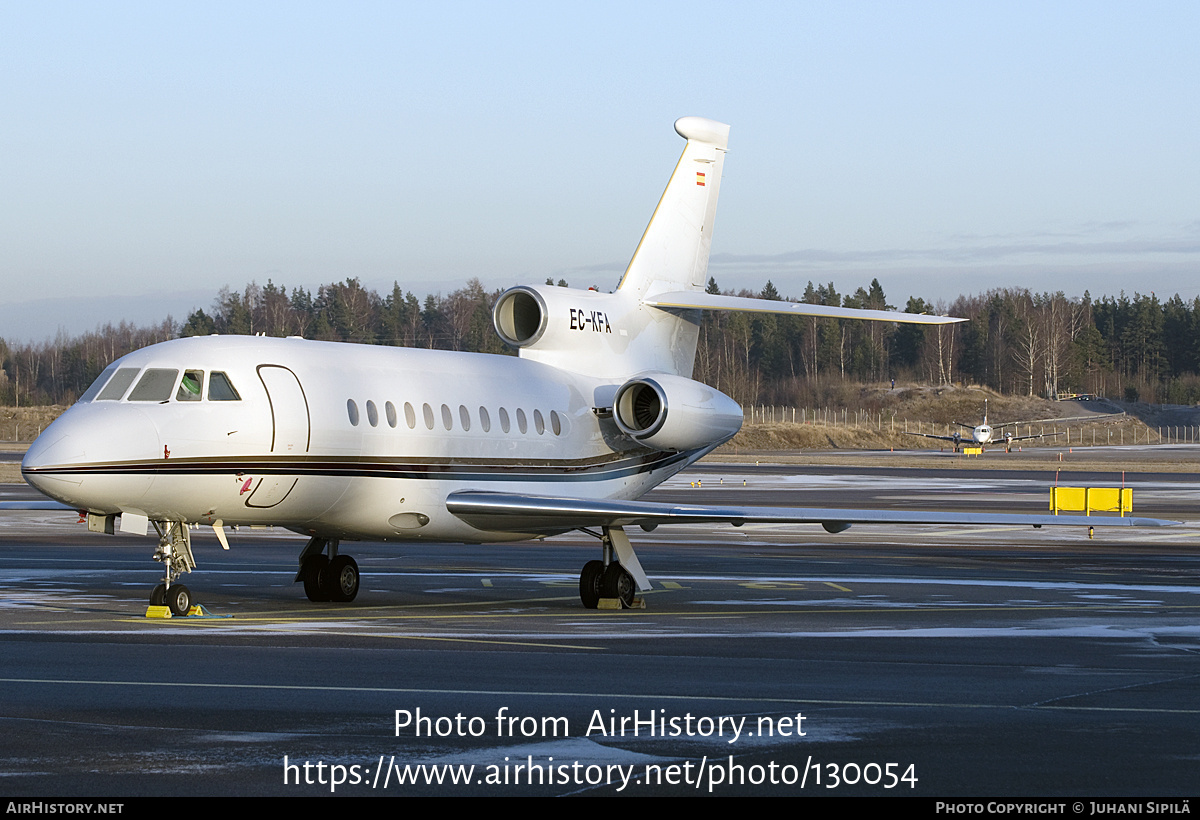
(652, 323)
(673, 252)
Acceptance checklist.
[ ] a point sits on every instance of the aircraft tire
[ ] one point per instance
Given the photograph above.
(342, 577)
(316, 578)
(617, 583)
(179, 599)
(158, 595)
(589, 583)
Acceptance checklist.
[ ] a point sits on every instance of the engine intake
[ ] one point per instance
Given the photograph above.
(520, 316)
(673, 413)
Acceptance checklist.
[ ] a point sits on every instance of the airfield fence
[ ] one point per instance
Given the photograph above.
(1104, 430)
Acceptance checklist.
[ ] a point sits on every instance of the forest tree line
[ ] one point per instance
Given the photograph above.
(1013, 340)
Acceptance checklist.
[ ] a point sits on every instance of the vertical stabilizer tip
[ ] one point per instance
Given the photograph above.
(701, 130)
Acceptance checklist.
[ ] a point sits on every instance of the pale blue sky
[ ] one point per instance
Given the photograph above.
(166, 149)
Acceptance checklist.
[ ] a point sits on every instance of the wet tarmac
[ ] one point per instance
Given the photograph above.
(930, 661)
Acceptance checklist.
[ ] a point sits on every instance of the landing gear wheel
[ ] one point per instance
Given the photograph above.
(617, 583)
(589, 583)
(179, 599)
(316, 578)
(342, 578)
(158, 595)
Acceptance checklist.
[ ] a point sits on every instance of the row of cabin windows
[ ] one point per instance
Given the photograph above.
(447, 418)
(157, 384)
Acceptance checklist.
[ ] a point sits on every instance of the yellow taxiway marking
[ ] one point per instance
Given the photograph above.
(1169, 536)
(976, 530)
(414, 613)
(1073, 606)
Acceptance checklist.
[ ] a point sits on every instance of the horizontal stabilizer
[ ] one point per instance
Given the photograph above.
(532, 513)
(710, 301)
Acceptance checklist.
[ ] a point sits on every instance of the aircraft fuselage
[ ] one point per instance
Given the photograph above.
(337, 440)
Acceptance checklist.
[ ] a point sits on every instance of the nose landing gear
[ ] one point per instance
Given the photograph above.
(175, 553)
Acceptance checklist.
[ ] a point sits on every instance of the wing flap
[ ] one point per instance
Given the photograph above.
(532, 513)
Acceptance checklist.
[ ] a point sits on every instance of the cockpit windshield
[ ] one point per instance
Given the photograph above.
(100, 381)
(115, 389)
(156, 384)
(221, 389)
(190, 386)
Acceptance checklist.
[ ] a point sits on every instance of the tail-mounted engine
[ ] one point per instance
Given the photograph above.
(673, 413)
(540, 318)
(520, 316)
(580, 330)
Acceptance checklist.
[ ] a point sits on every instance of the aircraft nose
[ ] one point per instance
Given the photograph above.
(56, 447)
(78, 459)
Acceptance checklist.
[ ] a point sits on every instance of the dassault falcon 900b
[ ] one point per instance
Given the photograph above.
(347, 442)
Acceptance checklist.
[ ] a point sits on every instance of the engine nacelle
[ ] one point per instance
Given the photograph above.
(603, 335)
(673, 413)
(520, 316)
(536, 316)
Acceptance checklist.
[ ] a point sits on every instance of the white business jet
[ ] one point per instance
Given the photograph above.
(344, 442)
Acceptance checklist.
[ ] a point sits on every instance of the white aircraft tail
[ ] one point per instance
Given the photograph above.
(651, 323)
(618, 334)
(673, 252)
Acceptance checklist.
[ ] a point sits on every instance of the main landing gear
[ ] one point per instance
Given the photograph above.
(175, 553)
(327, 578)
(617, 577)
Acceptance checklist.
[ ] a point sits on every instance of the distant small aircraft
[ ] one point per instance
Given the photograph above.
(341, 442)
(985, 434)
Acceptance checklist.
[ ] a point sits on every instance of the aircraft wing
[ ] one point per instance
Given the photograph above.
(1032, 435)
(534, 513)
(932, 435)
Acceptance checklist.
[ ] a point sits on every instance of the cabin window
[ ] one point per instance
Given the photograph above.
(352, 412)
(447, 418)
(372, 413)
(504, 426)
(538, 423)
(555, 423)
(91, 392)
(464, 417)
(191, 386)
(522, 425)
(154, 385)
(390, 410)
(427, 411)
(410, 416)
(115, 389)
(220, 388)
(484, 421)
